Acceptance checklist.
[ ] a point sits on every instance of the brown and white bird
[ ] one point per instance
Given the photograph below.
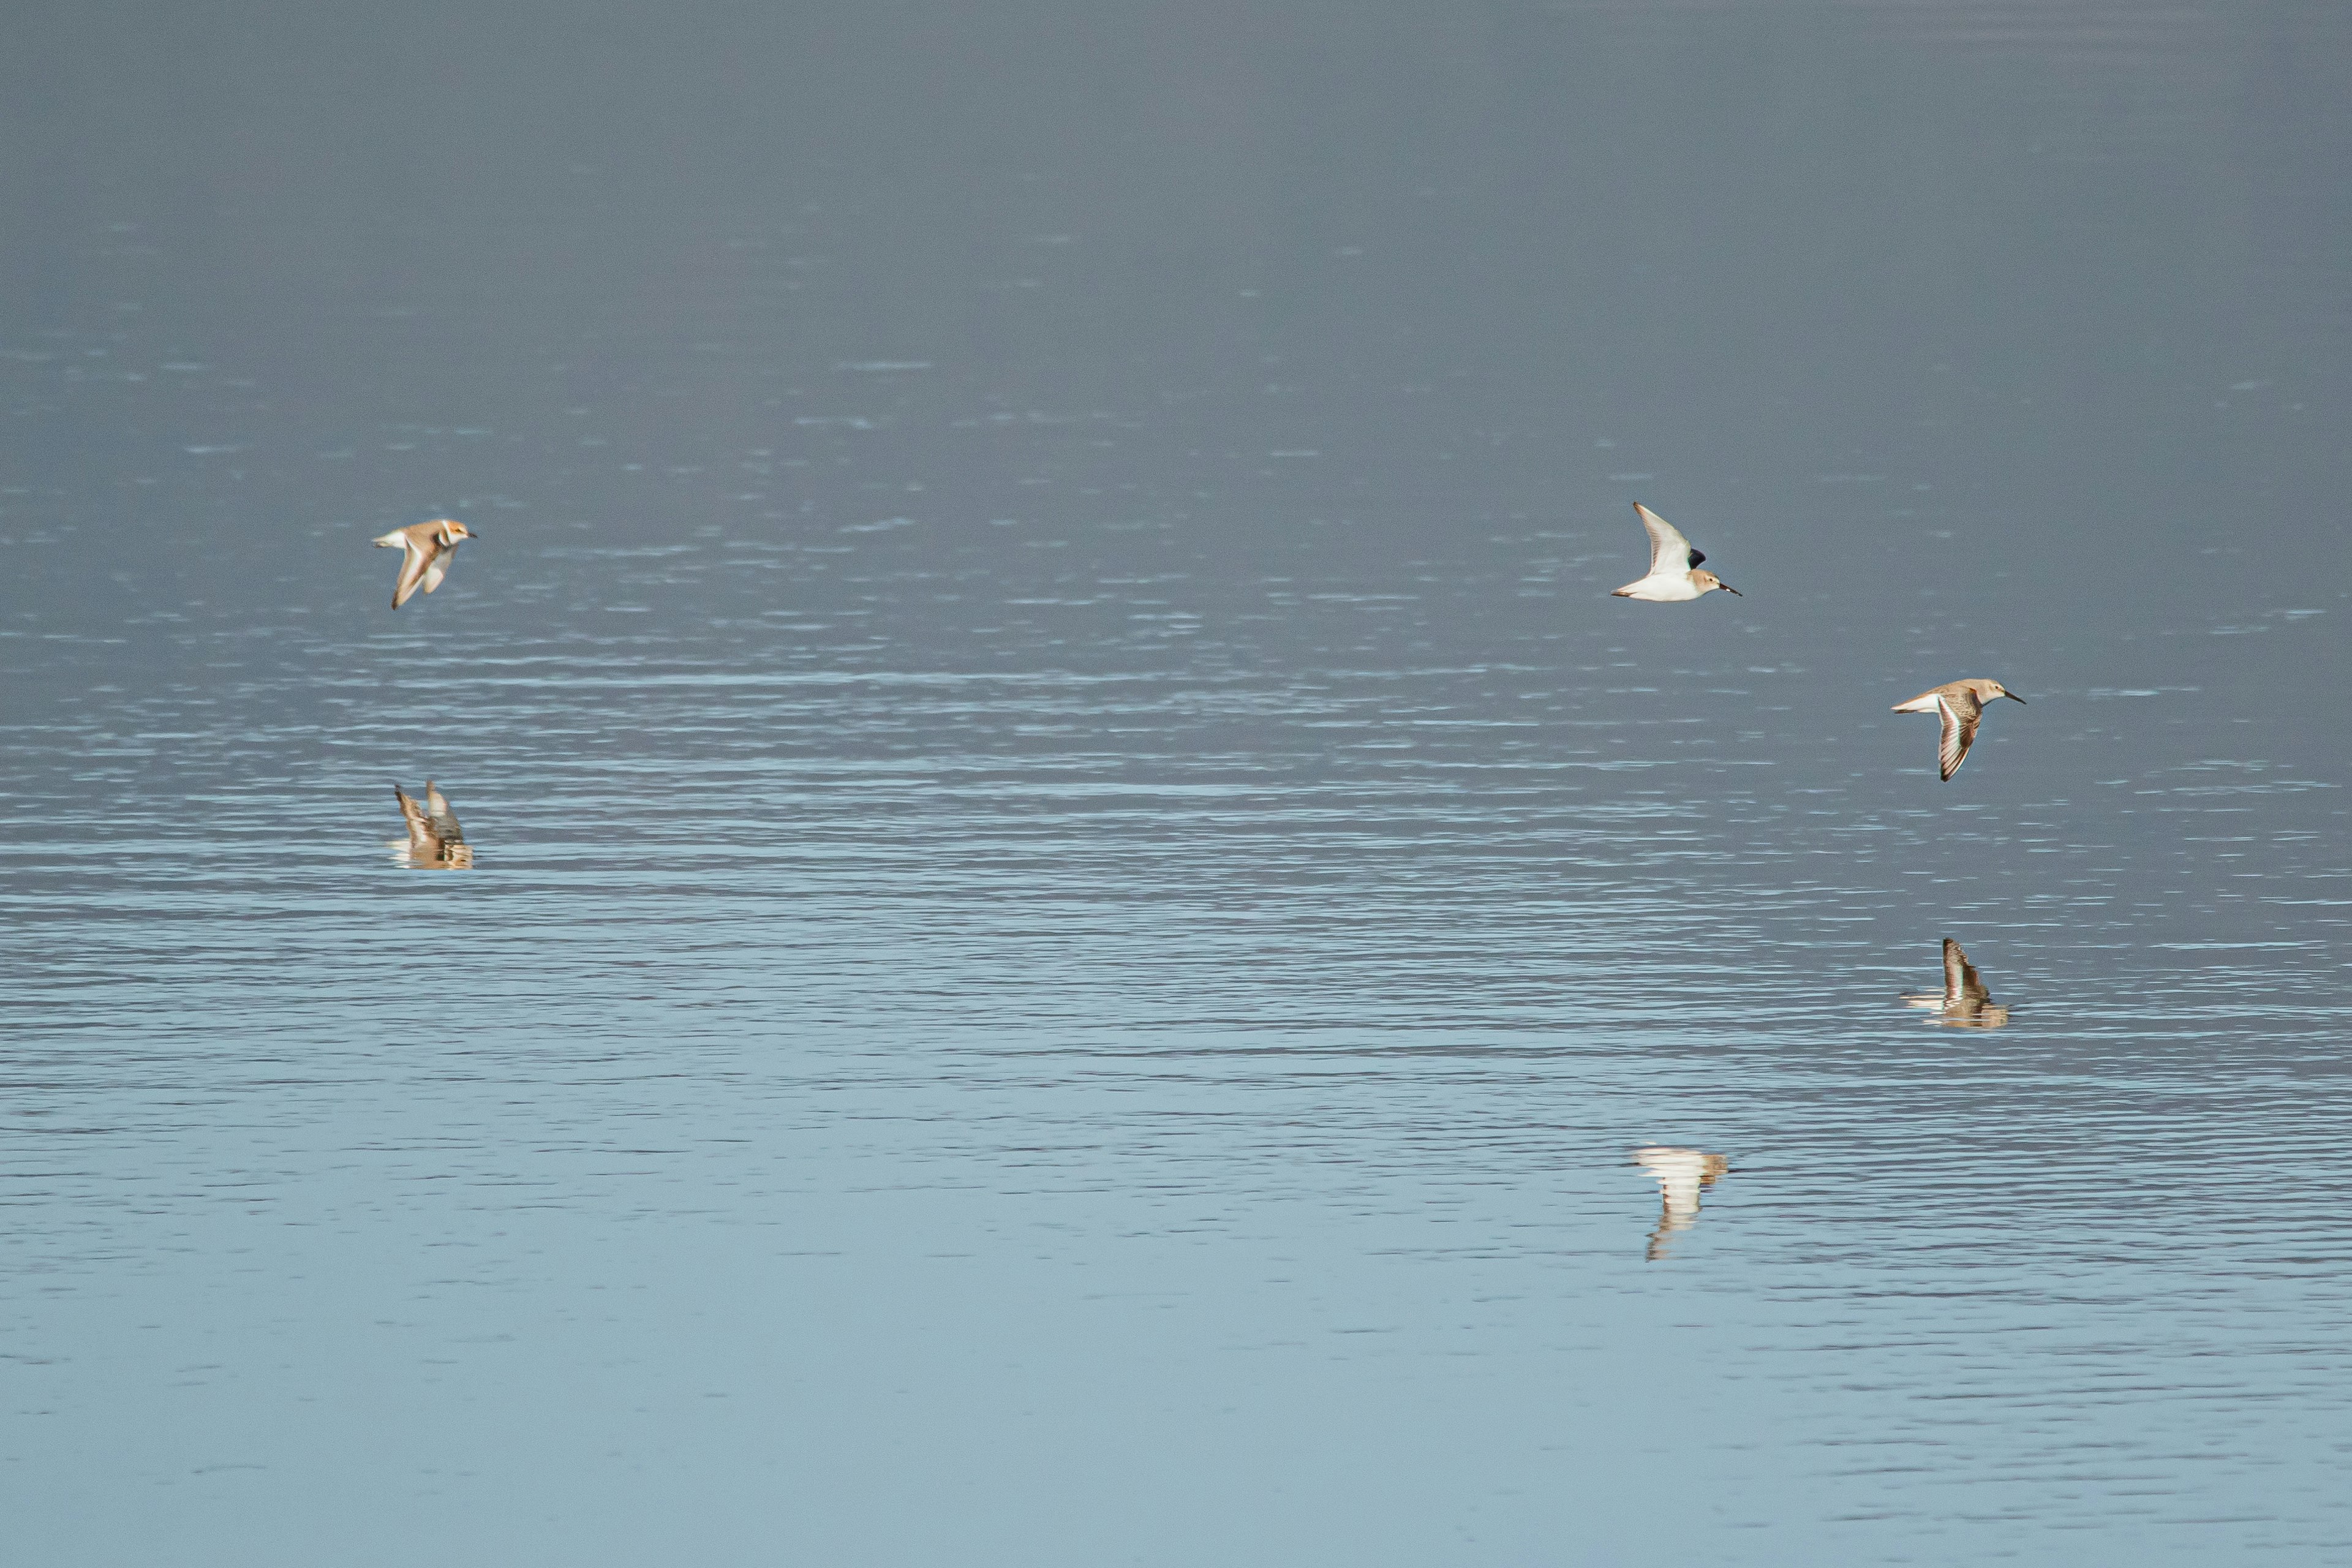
(426, 547)
(1964, 1003)
(1961, 704)
(435, 838)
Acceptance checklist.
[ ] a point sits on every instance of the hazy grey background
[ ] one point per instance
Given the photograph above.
(1081, 896)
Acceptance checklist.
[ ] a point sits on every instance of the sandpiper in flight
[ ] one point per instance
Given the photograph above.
(1673, 566)
(428, 546)
(1960, 703)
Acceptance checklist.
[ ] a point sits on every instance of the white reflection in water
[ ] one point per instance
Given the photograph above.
(1965, 1002)
(1683, 1175)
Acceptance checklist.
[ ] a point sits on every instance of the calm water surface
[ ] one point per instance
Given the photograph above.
(1082, 902)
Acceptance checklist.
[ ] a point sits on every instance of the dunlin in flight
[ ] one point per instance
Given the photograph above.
(1673, 566)
(427, 547)
(434, 836)
(1683, 1175)
(1964, 1003)
(1961, 704)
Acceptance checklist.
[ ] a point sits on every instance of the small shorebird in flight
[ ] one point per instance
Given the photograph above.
(434, 836)
(1962, 705)
(1964, 1003)
(1673, 566)
(427, 547)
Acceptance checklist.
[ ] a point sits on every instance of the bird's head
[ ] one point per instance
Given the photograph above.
(451, 530)
(1706, 579)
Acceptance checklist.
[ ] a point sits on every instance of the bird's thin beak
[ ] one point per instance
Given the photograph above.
(2013, 697)
(1730, 589)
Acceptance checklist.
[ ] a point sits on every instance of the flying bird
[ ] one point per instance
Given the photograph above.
(427, 547)
(1961, 704)
(1965, 1002)
(1673, 566)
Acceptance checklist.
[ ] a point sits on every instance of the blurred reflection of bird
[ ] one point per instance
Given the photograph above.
(1964, 1003)
(1683, 1175)
(435, 839)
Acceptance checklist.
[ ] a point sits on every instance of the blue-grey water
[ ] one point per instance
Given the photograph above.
(1081, 899)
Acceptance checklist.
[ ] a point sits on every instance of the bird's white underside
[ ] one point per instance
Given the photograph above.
(1663, 590)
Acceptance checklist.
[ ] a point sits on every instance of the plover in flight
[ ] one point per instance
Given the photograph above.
(1673, 566)
(434, 836)
(427, 547)
(1683, 1175)
(1960, 703)
(1964, 1003)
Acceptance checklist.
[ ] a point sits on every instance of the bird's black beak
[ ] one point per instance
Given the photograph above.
(2013, 697)
(1730, 589)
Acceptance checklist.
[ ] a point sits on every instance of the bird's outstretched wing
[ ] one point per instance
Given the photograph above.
(412, 572)
(420, 830)
(443, 820)
(1971, 986)
(1961, 983)
(1669, 551)
(1961, 712)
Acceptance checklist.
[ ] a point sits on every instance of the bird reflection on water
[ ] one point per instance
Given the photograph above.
(1683, 1175)
(1964, 1003)
(435, 842)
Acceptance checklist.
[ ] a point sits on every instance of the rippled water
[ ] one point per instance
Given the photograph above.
(1090, 940)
